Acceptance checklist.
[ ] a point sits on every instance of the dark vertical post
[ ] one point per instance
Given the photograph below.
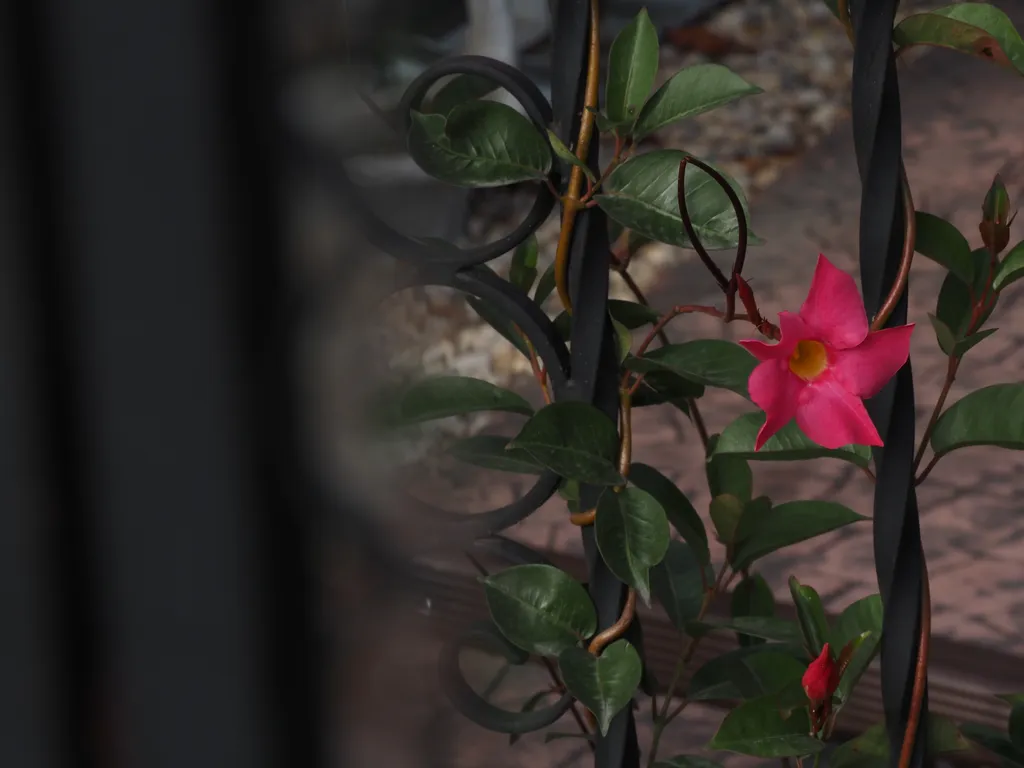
(899, 558)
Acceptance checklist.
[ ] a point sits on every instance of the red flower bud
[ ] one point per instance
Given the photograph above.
(822, 677)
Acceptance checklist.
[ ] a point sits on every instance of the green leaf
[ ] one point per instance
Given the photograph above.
(540, 608)
(871, 748)
(1011, 268)
(954, 306)
(752, 597)
(726, 511)
(442, 396)
(459, 90)
(574, 440)
(978, 29)
(678, 584)
(947, 341)
(631, 314)
(761, 728)
(769, 627)
(775, 672)
(660, 387)
(479, 144)
(860, 617)
(790, 523)
(966, 345)
(811, 615)
(500, 323)
(491, 452)
(711, 362)
(788, 444)
(632, 536)
(1015, 725)
(522, 270)
(642, 195)
(690, 92)
(729, 474)
(623, 338)
(545, 285)
(687, 761)
(989, 416)
(678, 509)
(754, 513)
(941, 242)
(566, 155)
(730, 677)
(604, 684)
(996, 742)
(632, 67)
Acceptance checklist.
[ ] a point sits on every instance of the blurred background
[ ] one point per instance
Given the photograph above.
(208, 556)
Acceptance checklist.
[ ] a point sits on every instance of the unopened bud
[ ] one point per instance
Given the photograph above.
(995, 217)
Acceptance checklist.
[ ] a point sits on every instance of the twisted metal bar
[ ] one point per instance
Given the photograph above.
(899, 555)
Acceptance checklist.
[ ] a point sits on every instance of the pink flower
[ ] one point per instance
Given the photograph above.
(822, 677)
(826, 362)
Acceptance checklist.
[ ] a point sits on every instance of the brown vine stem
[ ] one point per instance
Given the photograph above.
(951, 369)
(906, 258)
(691, 403)
(687, 651)
(603, 639)
(920, 670)
(571, 203)
(538, 373)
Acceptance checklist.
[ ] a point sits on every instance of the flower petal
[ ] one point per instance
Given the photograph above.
(832, 417)
(834, 308)
(865, 369)
(793, 330)
(776, 391)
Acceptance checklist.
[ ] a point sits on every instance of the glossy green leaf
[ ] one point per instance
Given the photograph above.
(966, 345)
(661, 387)
(728, 677)
(491, 452)
(989, 416)
(439, 397)
(761, 728)
(690, 92)
(642, 195)
(729, 474)
(1011, 268)
(752, 597)
(566, 155)
(788, 444)
(678, 509)
(632, 67)
(632, 535)
(978, 29)
(776, 672)
(994, 741)
(500, 323)
(631, 314)
(954, 306)
(947, 340)
(540, 608)
(754, 513)
(679, 585)
(688, 761)
(545, 286)
(479, 144)
(941, 242)
(810, 615)
(574, 440)
(790, 523)
(769, 627)
(726, 511)
(861, 617)
(871, 748)
(623, 339)
(459, 90)
(711, 362)
(604, 684)
(522, 270)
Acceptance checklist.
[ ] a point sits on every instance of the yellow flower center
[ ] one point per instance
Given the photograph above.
(808, 360)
